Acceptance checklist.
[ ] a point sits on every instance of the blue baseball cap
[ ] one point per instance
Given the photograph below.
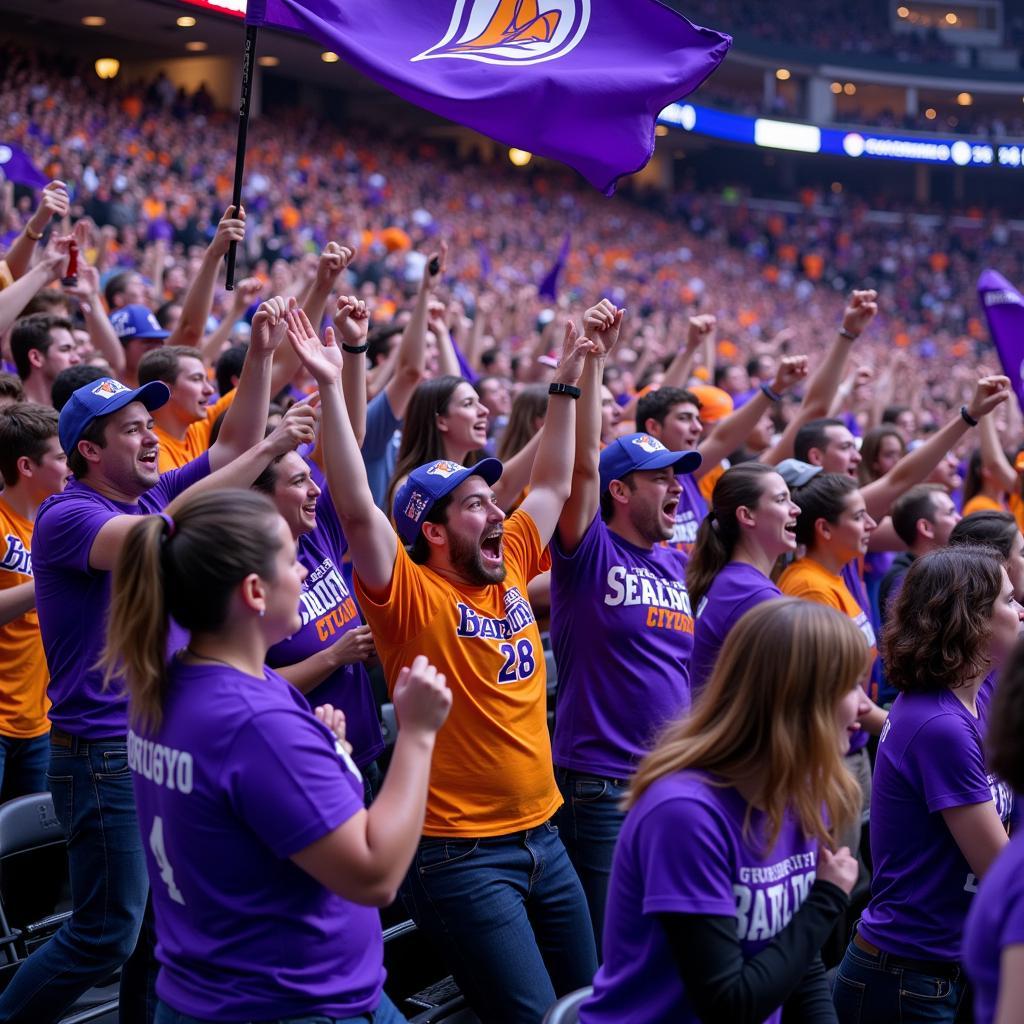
(426, 485)
(101, 398)
(136, 322)
(641, 451)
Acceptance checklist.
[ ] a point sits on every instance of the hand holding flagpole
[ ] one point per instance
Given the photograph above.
(248, 69)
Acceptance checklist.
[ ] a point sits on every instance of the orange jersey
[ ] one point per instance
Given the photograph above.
(176, 453)
(811, 581)
(23, 679)
(491, 774)
(983, 503)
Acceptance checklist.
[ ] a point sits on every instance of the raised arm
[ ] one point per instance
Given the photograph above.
(373, 543)
(700, 328)
(352, 326)
(53, 202)
(411, 360)
(731, 432)
(245, 294)
(14, 298)
(97, 323)
(447, 361)
(198, 301)
(992, 455)
(916, 465)
(601, 325)
(551, 481)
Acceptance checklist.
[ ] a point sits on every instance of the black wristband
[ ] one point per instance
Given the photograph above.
(772, 396)
(967, 417)
(565, 389)
(848, 335)
(356, 350)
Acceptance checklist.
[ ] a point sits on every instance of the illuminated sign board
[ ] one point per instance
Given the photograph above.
(805, 138)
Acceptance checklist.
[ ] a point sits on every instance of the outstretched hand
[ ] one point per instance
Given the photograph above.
(575, 349)
(323, 361)
(269, 325)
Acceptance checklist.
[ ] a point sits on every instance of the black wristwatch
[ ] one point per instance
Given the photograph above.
(355, 349)
(565, 389)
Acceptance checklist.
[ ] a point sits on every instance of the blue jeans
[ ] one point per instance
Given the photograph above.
(869, 989)
(92, 796)
(23, 765)
(386, 1013)
(589, 822)
(510, 917)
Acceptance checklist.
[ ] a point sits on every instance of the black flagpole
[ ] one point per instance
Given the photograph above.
(248, 66)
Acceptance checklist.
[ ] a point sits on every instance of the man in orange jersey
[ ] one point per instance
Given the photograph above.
(33, 467)
(491, 884)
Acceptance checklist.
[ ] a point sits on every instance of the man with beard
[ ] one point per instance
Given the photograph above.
(613, 577)
(491, 883)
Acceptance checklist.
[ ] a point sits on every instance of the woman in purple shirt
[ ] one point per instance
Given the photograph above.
(752, 522)
(724, 885)
(994, 936)
(264, 864)
(937, 816)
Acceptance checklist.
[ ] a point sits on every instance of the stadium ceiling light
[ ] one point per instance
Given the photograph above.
(94, 20)
(268, 61)
(931, 113)
(964, 99)
(903, 12)
(850, 89)
(783, 74)
(660, 130)
(186, 21)
(195, 46)
(329, 57)
(519, 157)
(837, 87)
(107, 67)
(951, 18)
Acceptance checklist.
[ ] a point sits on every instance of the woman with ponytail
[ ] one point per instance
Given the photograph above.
(752, 521)
(264, 863)
(725, 883)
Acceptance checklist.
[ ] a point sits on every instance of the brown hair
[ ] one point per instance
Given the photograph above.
(938, 629)
(869, 449)
(164, 363)
(738, 487)
(1006, 723)
(530, 404)
(187, 573)
(25, 427)
(769, 712)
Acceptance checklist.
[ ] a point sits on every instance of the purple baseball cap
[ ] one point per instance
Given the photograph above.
(428, 484)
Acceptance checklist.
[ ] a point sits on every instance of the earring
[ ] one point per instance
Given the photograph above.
(263, 611)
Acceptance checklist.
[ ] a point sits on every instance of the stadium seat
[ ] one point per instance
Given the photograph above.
(567, 1009)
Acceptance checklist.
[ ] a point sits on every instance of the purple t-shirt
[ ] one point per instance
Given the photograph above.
(622, 634)
(733, 592)
(328, 610)
(73, 599)
(929, 759)
(682, 850)
(995, 921)
(691, 511)
(239, 777)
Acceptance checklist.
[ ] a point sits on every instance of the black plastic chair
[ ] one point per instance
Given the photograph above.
(567, 1009)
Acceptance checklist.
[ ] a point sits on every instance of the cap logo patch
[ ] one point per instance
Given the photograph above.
(416, 506)
(445, 469)
(108, 389)
(649, 444)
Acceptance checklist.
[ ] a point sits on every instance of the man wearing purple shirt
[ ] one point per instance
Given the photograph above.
(107, 431)
(612, 579)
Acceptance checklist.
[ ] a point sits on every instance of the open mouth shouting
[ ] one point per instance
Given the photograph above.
(789, 531)
(669, 508)
(492, 548)
(148, 458)
(309, 511)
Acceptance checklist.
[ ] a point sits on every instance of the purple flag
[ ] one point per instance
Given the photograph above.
(1004, 310)
(548, 288)
(16, 166)
(581, 81)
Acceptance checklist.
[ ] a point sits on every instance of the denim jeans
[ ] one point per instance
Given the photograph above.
(589, 822)
(386, 1013)
(92, 796)
(869, 989)
(509, 915)
(23, 765)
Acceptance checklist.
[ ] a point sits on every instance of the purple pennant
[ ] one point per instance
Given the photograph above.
(17, 166)
(548, 287)
(1004, 310)
(580, 81)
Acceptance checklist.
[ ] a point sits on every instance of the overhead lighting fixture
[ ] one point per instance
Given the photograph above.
(782, 74)
(107, 67)
(850, 89)
(951, 18)
(660, 130)
(268, 61)
(329, 57)
(931, 113)
(903, 12)
(837, 88)
(94, 21)
(519, 157)
(195, 46)
(964, 99)
(186, 21)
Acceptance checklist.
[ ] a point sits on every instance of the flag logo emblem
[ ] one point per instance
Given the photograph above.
(108, 388)
(445, 469)
(512, 31)
(649, 444)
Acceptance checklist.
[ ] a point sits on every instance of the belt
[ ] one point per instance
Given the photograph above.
(940, 968)
(59, 738)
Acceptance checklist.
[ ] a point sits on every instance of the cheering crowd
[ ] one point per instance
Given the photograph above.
(789, 688)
